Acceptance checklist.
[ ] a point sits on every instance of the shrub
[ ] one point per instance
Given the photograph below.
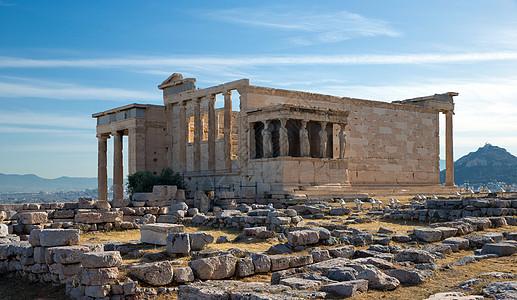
(143, 182)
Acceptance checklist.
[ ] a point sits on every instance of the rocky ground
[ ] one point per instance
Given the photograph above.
(313, 251)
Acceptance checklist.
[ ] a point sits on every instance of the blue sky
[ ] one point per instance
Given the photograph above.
(61, 61)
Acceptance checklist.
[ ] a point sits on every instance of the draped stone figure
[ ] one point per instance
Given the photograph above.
(323, 140)
(342, 141)
(284, 140)
(304, 140)
(267, 142)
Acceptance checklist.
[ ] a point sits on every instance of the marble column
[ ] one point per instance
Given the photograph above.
(212, 131)
(118, 171)
(449, 157)
(323, 139)
(305, 148)
(228, 130)
(197, 135)
(183, 128)
(283, 138)
(267, 141)
(342, 141)
(102, 171)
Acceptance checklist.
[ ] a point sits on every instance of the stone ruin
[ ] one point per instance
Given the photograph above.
(309, 259)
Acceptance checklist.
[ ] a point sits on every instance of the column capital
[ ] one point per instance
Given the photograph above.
(227, 93)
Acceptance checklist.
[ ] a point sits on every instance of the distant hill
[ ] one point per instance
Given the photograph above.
(30, 183)
(488, 164)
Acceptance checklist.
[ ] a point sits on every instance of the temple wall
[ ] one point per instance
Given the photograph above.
(387, 144)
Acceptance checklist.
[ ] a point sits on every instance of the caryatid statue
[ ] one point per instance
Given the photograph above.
(342, 141)
(284, 139)
(305, 147)
(323, 139)
(266, 140)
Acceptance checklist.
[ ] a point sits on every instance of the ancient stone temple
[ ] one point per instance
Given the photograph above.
(279, 141)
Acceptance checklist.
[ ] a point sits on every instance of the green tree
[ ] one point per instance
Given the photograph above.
(143, 182)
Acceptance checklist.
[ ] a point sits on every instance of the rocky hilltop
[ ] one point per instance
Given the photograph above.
(30, 183)
(488, 164)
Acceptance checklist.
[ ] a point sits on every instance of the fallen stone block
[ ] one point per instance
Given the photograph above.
(254, 231)
(97, 291)
(37, 217)
(500, 249)
(300, 260)
(105, 259)
(218, 267)
(415, 255)
(261, 262)
(346, 289)
(344, 251)
(478, 240)
(245, 267)
(300, 283)
(157, 274)
(495, 236)
(454, 296)
(58, 237)
(183, 275)
(303, 237)
(178, 243)
(279, 262)
(69, 254)
(157, 233)
(463, 244)
(501, 290)
(99, 276)
(443, 248)
(447, 232)
(429, 235)
(198, 240)
(410, 276)
(378, 280)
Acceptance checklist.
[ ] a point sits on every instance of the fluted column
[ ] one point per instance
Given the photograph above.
(449, 156)
(102, 170)
(228, 130)
(283, 138)
(342, 141)
(323, 139)
(267, 142)
(305, 148)
(211, 132)
(197, 135)
(118, 169)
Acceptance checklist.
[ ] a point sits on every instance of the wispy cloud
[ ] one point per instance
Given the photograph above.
(62, 91)
(35, 130)
(205, 62)
(309, 27)
(27, 118)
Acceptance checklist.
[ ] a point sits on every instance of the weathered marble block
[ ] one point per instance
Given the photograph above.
(157, 233)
